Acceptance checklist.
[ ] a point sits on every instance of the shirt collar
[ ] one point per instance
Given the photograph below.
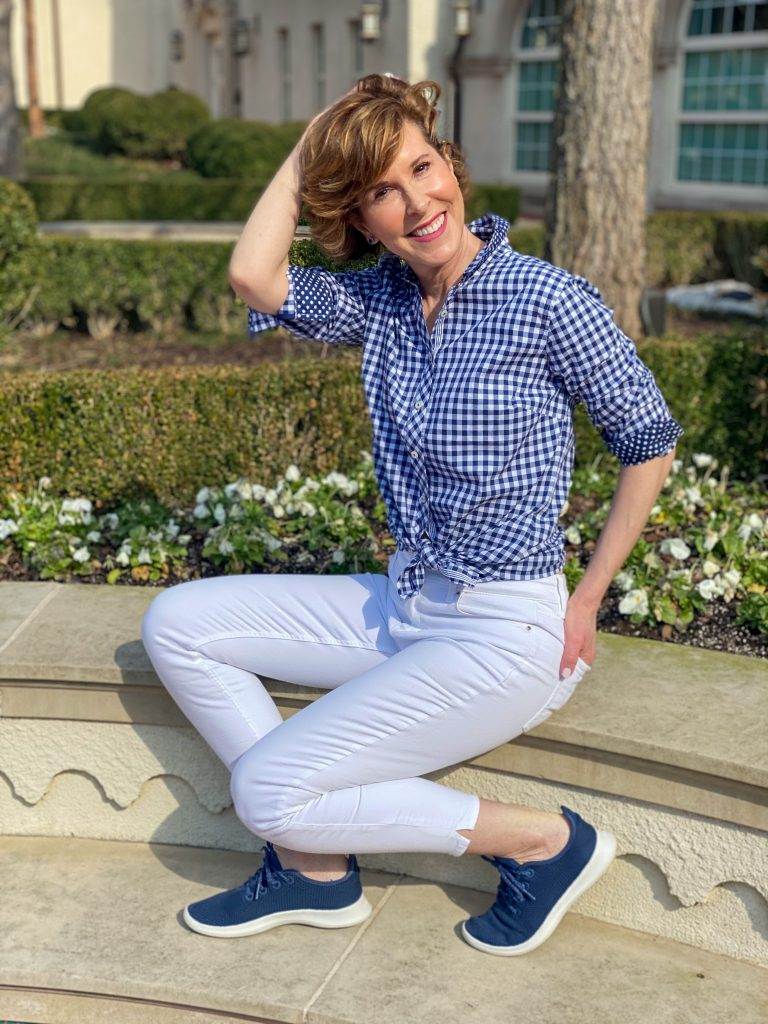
(491, 227)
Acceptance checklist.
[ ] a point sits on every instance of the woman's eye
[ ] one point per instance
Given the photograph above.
(385, 189)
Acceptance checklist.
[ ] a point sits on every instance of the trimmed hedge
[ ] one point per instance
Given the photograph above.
(180, 195)
(165, 433)
(688, 246)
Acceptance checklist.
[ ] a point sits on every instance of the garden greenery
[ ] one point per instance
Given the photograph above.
(706, 539)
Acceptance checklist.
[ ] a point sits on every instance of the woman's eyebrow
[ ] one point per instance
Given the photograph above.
(413, 164)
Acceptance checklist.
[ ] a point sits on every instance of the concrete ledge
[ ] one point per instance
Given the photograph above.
(92, 930)
(661, 744)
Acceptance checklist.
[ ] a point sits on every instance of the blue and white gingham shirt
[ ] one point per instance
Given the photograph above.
(473, 440)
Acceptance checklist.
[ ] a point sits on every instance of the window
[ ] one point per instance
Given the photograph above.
(284, 58)
(537, 84)
(723, 115)
(318, 65)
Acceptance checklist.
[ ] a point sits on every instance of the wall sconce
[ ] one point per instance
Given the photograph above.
(370, 21)
(241, 38)
(177, 45)
(462, 18)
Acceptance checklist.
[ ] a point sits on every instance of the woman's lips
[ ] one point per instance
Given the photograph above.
(434, 234)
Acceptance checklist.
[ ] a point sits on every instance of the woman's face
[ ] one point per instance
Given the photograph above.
(418, 187)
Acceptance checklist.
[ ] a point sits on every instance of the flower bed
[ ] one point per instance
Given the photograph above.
(702, 551)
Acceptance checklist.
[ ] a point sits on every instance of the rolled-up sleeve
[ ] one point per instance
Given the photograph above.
(599, 365)
(321, 305)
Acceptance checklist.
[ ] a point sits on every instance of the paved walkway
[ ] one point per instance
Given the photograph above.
(91, 930)
(187, 231)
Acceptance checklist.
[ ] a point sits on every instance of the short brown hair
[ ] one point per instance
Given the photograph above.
(352, 144)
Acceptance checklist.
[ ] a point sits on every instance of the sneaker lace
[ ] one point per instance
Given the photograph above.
(267, 876)
(510, 886)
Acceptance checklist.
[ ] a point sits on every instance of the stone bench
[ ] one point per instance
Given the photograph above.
(662, 744)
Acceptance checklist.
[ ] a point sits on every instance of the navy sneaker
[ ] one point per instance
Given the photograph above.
(275, 895)
(533, 896)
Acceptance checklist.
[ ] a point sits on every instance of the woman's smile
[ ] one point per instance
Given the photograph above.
(434, 229)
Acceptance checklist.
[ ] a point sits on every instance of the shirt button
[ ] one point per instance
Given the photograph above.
(419, 404)
(414, 454)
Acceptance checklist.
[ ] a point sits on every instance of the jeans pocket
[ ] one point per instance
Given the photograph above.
(560, 696)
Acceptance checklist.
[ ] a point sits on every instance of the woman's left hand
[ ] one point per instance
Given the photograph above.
(580, 635)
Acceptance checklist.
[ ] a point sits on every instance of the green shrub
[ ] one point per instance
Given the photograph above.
(132, 432)
(739, 237)
(230, 148)
(19, 273)
(86, 122)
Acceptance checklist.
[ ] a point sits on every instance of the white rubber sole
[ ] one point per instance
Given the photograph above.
(602, 855)
(344, 917)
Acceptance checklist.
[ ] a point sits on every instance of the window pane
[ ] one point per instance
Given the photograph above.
(718, 17)
(542, 25)
(532, 149)
(735, 153)
(727, 80)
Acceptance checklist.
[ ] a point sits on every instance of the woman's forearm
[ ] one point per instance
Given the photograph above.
(635, 494)
(258, 261)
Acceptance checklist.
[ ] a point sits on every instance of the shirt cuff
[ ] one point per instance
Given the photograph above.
(263, 321)
(648, 443)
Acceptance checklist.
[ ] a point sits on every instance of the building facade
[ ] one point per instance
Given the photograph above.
(283, 61)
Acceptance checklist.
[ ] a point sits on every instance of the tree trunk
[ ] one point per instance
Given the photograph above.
(596, 202)
(36, 128)
(10, 141)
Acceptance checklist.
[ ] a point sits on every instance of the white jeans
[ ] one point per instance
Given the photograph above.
(414, 685)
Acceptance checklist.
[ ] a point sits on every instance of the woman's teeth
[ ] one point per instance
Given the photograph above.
(434, 226)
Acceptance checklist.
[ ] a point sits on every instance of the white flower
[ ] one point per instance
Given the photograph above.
(184, 538)
(94, 536)
(272, 543)
(123, 558)
(155, 536)
(710, 567)
(258, 492)
(693, 494)
(732, 577)
(278, 511)
(245, 490)
(219, 513)
(752, 524)
(311, 484)
(634, 602)
(226, 547)
(624, 580)
(7, 526)
(172, 529)
(679, 574)
(708, 589)
(44, 482)
(652, 560)
(677, 465)
(270, 496)
(702, 459)
(293, 473)
(144, 557)
(338, 556)
(676, 547)
(81, 555)
(200, 512)
(76, 505)
(111, 519)
(202, 495)
(572, 534)
(711, 537)
(655, 510)
(306, 508)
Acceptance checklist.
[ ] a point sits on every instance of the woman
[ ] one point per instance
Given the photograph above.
(474, 357)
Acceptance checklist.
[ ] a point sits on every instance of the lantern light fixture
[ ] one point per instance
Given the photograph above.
(177, 45)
